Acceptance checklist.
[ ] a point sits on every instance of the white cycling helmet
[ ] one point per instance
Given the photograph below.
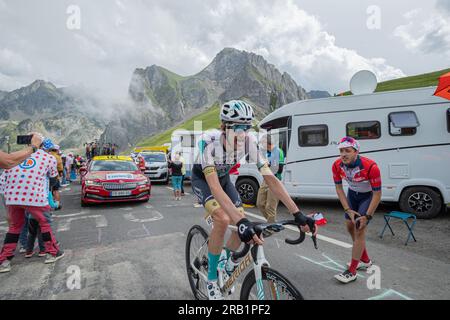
(236, 111)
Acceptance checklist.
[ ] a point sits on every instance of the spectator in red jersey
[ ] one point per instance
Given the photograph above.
(360, 203)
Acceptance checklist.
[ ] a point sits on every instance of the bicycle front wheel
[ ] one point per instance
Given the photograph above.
(197, 261)
(273, 286)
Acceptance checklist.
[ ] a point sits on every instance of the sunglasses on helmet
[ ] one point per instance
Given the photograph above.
(347, 139)
(239, 127)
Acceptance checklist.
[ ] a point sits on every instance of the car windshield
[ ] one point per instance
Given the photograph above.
(154, 157)
(113, 166)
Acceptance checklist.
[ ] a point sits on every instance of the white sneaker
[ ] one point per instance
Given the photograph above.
(214, 292)
(5, 266)
(52, 259)
(346, 277)
(22, 250)
(362, 265)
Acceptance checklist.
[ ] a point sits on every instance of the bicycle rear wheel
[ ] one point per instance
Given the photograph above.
(274, 286)
(197, 255)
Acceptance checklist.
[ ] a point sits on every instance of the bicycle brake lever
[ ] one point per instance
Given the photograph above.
(312, 228)
(314, 239)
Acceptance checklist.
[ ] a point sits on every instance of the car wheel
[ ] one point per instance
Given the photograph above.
(424, 202)
(84, 204)
(248, 190)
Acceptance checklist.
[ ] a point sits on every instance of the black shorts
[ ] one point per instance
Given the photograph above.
(358, 202)
(203, 192)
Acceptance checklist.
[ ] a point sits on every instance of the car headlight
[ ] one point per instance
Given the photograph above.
(164, 166)
(142, 183)
(93, 183)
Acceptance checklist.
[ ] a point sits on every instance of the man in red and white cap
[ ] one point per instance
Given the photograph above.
(360, 203)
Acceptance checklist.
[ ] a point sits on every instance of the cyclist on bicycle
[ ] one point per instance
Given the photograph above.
(220, 151)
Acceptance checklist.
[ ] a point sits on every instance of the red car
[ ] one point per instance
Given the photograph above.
(113, 179)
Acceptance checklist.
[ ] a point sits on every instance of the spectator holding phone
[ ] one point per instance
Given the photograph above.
(26, 190)
(10, 160)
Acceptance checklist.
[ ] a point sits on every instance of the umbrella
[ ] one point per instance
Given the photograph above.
(443, 89)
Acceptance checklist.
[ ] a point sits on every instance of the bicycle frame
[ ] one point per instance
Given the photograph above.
(245, 263)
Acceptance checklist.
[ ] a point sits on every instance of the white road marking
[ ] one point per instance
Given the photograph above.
(277, 241)
(319, 236)
(335, 266)
(390, 292)
(170, 188)
(339, 268)
(70, 215)
(137, 233)
(100, 222)
(130, 217)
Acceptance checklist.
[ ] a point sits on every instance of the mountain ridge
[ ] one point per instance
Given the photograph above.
(42, 107)
(170, 99)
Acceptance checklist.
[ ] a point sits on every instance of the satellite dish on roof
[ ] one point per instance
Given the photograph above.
(363, 82)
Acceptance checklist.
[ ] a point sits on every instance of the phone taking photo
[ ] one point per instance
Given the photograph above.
(24, 139)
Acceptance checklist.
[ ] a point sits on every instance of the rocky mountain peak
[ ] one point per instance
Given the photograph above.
(166, 98)
(36, 86)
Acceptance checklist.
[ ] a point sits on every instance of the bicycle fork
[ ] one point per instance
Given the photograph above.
(260, 262)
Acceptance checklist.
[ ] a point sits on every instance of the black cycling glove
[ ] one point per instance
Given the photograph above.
(246, 230)
(303, 220)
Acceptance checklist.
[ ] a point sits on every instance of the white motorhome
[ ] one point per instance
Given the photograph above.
(407, 132)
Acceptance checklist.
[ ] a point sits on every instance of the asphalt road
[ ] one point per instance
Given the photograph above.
(136, 251)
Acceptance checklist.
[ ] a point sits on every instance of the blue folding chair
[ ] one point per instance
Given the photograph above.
(404, 217)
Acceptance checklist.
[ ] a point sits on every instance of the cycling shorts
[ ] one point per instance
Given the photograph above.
(359, 202)
(203, 192)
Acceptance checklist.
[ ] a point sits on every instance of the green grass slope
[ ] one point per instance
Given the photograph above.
(209, 118)
(417, 81)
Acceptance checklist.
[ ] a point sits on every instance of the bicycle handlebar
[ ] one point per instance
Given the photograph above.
(278, 226)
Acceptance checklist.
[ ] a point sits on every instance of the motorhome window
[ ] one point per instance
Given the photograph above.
(403, 123)
(276, 123)
(188, 141)
(364, 130)
(448, 120)
(313, 136)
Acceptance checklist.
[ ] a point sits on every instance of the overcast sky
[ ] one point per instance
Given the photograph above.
(321, 43)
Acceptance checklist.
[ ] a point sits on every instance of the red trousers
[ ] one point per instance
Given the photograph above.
(17, 220)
